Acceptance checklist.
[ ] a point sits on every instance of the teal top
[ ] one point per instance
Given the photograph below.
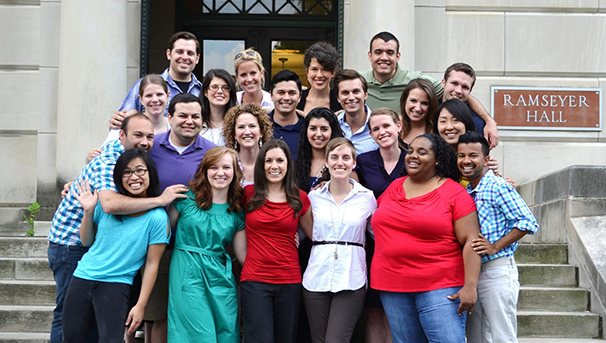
(203, 303)
(120, 246)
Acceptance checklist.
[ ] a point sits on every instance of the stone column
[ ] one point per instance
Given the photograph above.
(92, 77)
(365, 18)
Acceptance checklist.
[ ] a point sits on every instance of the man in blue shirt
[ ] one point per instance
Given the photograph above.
(285, 93)
(352, 92)
(65, 247)
(177, 154)
(504, 219)
(183, 53)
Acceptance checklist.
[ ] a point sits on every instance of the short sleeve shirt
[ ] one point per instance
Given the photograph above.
(272, 255)
(416, 246)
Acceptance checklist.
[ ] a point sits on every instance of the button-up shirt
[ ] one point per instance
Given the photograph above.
(99, 173)
(334, 267)
(388, 94)
(132, 102)
(361, 139)
(500, 210)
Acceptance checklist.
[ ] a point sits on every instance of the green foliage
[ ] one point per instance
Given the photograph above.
(30, 216)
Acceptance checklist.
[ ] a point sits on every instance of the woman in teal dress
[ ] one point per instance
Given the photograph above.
(203, 303)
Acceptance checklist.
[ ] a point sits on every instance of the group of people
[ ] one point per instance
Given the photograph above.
(290, 211)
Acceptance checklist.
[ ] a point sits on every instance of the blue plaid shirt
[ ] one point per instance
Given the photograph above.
(65, 228)
(500, 210)
(132, 102)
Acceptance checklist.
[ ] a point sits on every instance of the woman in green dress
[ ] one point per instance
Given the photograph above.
(203, 303)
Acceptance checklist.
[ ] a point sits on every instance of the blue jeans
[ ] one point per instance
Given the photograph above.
(88, 302)
(63, 260)
(420, 317)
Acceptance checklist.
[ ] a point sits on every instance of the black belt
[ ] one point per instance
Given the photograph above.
(337, 242)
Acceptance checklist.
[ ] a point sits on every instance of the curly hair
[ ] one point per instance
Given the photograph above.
(325, 54)
(445, 156)
(430, 91)
(200, 185)
(304, 152)
(221, 74)
(261, 187)
(229, 124)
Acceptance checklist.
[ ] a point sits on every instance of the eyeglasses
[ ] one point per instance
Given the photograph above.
(128, 173)
(247, 53)
(215, 87)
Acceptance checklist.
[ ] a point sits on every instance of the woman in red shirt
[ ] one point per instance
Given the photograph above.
(271, 277)
(424, 265)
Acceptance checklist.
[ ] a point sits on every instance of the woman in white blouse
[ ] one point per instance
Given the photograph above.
(334, 284)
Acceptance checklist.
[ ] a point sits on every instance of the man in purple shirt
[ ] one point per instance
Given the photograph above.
(177, 154)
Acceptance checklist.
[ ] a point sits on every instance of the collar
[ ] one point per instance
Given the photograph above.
(397, 79)
(163, 141)
(299, 120)
(166, 76)
(486, 178)
(367, 110)
(357, 188)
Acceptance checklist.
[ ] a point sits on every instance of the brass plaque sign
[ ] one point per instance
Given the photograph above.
(534, 108)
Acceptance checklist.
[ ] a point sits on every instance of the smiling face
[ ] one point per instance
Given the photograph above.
(276, 165)
(248, 132)
(249, 77)
(384, 57)
(286, 96)
(449, 127)
(417, 105)
(154, 100)
(458, 86)
(384, 130)
(318, 133)
(421, 158)
(340, 162)
(220, 96)
(318, 77)
(221, 173)
(136, 185)
(186, 122)
(351, 96)
(183, 58)
(139, 134)
(471, 161)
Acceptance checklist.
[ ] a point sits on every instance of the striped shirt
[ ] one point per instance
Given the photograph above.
(65, 228)
(500, 210)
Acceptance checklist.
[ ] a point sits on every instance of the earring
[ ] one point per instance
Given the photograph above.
(260, 143)
(436, 163)
(236, 145)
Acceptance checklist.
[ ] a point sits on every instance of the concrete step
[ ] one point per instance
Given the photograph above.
(558, 324)
(27, 292)
(23, 247)
(558, 340)
(25, 318)
(542, 253)
(41, 228)
(553, 299)
(18, 268)
(24, 337)
(548, 275)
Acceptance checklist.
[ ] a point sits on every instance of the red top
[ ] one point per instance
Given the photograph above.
(272, 254)
(416, 247)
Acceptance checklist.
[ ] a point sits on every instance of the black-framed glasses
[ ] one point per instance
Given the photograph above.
(247, 53)
(215, 87)
(128, 173)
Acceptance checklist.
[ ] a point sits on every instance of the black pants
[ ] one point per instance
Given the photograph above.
(333, 316)
(270, 311)
(105, 303)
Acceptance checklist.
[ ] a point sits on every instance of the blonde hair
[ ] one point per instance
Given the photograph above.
(249, 55)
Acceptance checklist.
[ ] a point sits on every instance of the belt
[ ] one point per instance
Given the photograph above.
(337, 242)
(501, 261)
(225, 255)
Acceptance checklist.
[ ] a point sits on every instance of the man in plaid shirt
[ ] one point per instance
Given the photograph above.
(504, 219)
(65, 247)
